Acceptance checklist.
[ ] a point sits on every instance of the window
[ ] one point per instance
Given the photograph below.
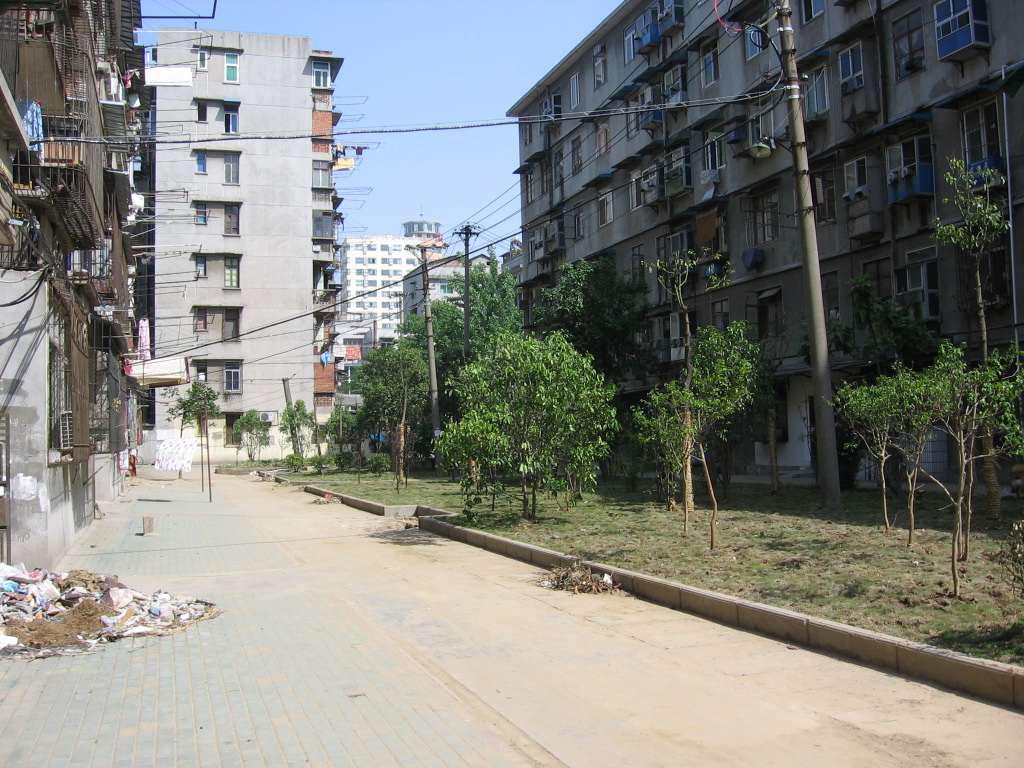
(981, 133)
(530, 182)
(674, 84)
(917, 284)
(754, 42)
(574, 90)
(960, 25)
(230, 118)
(605, 210)
(636, 192)
(231, 271)
(709, 62)
(323, 225)
(202, 59)
(677, 165)
(579, 225)
(770, 319)
(201, 112)
(809, 9)
(830, 296)
(714, 151)
(636, 262)
(762, 218)
(202, 213)
(720, 314)
(600, 66)
(576, 154)
(230, 67)
(202, 372)
(604, 138)
(910, 152)
(232, 163)
(908, 44)
(880, 275)
(816, 94)
(200, 162)
(200, 261)
(322, 176)
(856, 174)
(200, 319)
(823, 192)
(232, 213)
(232, 377)
(851, 68)
(232, 318)
(321, 74)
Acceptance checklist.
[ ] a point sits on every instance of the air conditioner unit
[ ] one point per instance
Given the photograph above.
(649, 184)
(893, 177)
(268, 417)
(677, 353)
(907, 171)
(857, 193)
(846, 86)
(316, 249)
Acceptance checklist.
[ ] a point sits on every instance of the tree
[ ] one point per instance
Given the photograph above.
(493, 304)
(984, 222)
(721, 383)
(393, 383)
(300, 425)
(197, 404)
(539, 410)
(601, 313)
(661, 430)
(341, 427)
(252, 433)
(447, 322)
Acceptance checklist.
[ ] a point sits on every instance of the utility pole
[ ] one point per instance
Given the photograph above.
(435, 410)
(288, 403)
(467, 231)
(821, 383)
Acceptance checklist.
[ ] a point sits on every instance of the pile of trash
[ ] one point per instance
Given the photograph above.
(577, 578)
(43, 613)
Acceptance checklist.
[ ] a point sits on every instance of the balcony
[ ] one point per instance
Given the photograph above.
(989, 170)
(911, 183)
(961, 29)
(650, 39)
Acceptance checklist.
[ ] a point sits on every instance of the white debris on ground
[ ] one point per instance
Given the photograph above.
(43, 613)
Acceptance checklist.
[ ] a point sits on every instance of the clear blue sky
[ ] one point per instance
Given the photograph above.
(409, 62)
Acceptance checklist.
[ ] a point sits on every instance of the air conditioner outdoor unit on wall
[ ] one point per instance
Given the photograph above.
(268, 417)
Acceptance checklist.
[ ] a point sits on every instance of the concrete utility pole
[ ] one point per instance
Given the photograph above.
(467, 231)
(288, 403)
(821, 382)
(435, 410)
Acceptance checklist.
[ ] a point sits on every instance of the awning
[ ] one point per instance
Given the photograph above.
(164, 372)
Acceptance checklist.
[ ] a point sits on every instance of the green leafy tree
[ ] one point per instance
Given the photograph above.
(601, 313)
(300, 426)
(721, 383)
(983, 223)
(341, 428)
(661, 429)
(393, 383)
(538, 409)
(252, 434)
(447, 322)
(199, 402)
(493, 304)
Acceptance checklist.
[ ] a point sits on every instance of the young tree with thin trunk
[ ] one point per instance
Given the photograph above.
(984, 223)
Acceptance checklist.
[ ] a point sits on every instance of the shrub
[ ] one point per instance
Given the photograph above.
(321, 463)
(1011, 556)
(379, 463)
(343, 459)
(294, 462)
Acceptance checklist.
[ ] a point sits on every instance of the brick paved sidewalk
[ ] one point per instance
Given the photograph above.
(288, 675)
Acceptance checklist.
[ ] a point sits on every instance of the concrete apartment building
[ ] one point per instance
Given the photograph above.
(71, 100)
(245, 208)
(370, 272)
(665, 131)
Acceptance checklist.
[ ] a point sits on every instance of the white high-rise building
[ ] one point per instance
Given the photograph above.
(371, 269)
(245, 219)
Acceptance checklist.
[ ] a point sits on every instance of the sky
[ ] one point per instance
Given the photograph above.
(409, 62)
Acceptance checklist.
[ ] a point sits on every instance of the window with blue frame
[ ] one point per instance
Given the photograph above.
(961, 26)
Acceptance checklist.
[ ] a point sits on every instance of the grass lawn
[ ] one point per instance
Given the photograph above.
(779, 550)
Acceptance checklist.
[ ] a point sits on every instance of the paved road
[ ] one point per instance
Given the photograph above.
(349, 641)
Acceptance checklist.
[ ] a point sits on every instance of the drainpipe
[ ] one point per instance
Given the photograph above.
(1009, 196)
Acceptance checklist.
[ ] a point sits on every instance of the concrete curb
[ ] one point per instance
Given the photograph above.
(999, 683)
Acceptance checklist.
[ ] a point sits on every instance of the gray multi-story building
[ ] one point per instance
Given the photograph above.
(666, 131)
(245, 216)
(71, 101)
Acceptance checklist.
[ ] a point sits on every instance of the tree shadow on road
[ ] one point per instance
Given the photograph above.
(407, 537)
